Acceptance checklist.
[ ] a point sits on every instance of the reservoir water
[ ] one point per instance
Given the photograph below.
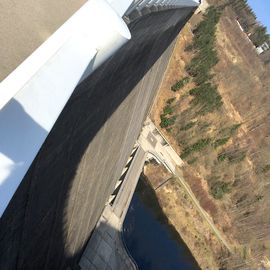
(150, 239)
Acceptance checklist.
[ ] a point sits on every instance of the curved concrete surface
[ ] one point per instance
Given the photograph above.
(45, 82)
(50, 218)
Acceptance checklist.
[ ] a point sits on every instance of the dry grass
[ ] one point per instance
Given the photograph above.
(244, 85)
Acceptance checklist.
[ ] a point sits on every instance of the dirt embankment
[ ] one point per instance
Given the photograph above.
(230, 175)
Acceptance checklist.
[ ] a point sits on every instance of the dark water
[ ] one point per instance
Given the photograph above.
(151, 241)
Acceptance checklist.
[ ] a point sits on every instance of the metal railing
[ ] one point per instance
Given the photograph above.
(139, 5)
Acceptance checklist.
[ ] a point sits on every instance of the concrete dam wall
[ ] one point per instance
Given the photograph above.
(52, 214)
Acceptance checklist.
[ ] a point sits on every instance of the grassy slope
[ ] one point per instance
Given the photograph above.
(243, 82)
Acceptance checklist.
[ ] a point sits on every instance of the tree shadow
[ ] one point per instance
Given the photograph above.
(50, 217)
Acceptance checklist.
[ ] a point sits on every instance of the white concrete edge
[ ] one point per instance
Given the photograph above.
(20, 76)
(96, 32)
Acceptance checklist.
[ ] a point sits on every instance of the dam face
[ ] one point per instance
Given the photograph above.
(53, 212)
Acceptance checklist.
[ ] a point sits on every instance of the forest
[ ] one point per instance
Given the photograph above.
(217, 116)
(257, 31)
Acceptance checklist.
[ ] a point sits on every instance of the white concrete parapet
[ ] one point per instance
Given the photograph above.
(33, 96)
(141, 4)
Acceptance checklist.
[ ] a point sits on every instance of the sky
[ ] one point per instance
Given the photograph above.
(262, 11)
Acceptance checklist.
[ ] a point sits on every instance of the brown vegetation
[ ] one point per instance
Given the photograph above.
(228, 148)
(180, 211)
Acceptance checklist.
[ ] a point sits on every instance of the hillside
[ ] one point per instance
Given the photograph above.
(213, 107)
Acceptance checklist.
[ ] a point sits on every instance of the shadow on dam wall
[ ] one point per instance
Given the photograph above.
(50, 217)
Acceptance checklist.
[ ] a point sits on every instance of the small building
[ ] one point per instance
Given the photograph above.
(264, 47)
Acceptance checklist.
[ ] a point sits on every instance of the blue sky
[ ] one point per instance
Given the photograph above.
(262, 11)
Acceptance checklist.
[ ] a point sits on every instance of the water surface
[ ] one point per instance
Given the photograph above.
(152, 242)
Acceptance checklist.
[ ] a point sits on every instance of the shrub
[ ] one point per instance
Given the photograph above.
(188, 126)
(237, 157)
(192, 161)
(196, 147)
(258, 198)
(234, 128)
(232, 157)
(207, 97)
(222, 157)
(266, 168)
(229, 131)
(220, 142)
(167, 121)
(180, 84)
(204, 125)
(189, 48)
(167, 110)
(245, 251)
(170, 101)
(219, 189)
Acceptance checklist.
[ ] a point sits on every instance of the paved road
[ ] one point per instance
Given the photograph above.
(58, 203)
